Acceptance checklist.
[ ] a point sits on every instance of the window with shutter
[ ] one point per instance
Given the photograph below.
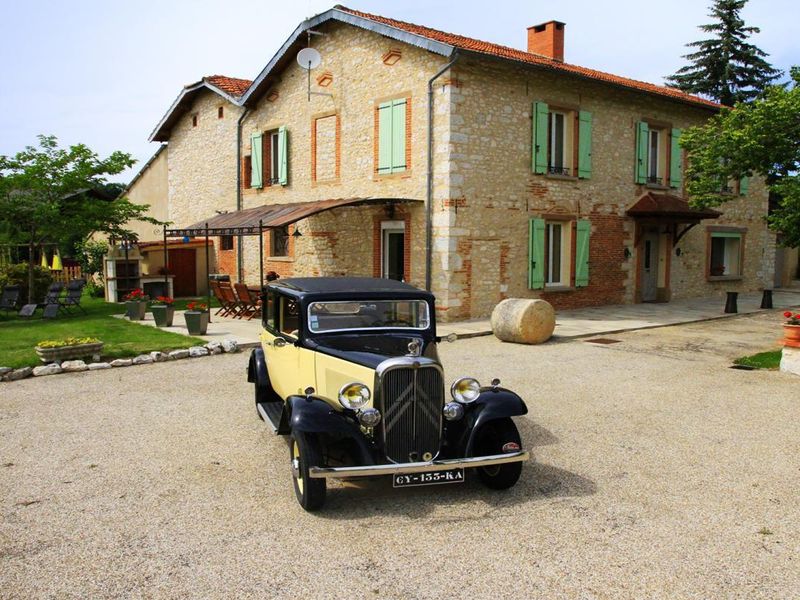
(541, 119)
(392, 133)
(256, 165)
(283, 156)
(246, 172)
(642, 139)
(675, 159)
(584, 144)
(536, 260)
(583, 229)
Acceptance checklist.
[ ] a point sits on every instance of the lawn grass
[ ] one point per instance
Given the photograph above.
(762, 360)
(121, 337)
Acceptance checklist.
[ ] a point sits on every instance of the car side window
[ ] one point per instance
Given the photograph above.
(270, 321)
(289, 316)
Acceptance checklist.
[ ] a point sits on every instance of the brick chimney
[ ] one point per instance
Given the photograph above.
(547, 39)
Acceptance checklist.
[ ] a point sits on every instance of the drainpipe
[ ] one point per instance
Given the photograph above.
(239, 244)
(429, 201)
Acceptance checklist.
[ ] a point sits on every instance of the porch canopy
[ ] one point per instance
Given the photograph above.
(254, 221)
(670, 210)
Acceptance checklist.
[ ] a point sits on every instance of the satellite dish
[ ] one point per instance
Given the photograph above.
(308, 58)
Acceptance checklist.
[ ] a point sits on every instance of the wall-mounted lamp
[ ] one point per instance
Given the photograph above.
(297, 233)
(677, 251)
(627, 252)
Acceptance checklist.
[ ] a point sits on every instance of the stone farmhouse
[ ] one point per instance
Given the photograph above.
(476, 170)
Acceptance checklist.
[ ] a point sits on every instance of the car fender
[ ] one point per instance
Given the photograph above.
(313, 415)
(492, 404)
(257, 368)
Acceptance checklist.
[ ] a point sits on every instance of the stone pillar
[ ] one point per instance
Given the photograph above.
(790, 360)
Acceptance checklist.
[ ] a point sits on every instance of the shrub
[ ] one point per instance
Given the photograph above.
(18, 275)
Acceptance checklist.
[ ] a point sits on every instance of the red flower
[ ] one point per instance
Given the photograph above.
(200, 306)
(787, 314)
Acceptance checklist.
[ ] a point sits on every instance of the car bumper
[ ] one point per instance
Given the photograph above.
(417, 467)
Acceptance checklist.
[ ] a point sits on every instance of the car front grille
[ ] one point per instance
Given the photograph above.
(411, 400)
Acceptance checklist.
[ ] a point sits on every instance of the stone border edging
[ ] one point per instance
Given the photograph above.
(76, 366)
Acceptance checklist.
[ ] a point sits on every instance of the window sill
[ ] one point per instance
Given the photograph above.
(558, 289)
(396, 175)
(561, 177)
(281, 258)
(657, 186)
(724, 278)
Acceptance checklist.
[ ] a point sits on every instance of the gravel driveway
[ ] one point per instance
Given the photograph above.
(660, 472)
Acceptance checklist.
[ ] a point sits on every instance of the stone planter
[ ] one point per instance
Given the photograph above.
(196, 321)
(135, 309)
(791, 335)
(49, 355)
(163, 315)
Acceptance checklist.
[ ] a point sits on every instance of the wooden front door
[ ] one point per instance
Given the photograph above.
(649, 265)
(183, 266)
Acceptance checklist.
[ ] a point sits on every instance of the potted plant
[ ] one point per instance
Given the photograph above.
(196, 316)
(791, 329)
(135, 304)
(68, 348)
(163, 310)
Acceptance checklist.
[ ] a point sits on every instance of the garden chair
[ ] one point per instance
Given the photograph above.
(233, 306)
(248, 301)
(73, 297)
(218, 295)
(9, 298)
(50, 303)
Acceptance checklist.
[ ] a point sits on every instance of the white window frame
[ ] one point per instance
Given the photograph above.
(651, 160)
(274, 161)
(394, 227)
(564, 271)
(727, 254)
(552, 141)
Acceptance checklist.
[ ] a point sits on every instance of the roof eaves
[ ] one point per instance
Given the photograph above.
(157, 135)
(335, 14)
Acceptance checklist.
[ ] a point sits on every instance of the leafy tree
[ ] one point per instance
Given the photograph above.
(726, 68)
(49, 193)
(760, 138)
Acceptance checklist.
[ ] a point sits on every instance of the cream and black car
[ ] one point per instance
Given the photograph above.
(348, 369)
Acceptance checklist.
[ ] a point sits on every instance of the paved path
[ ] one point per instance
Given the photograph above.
(569, 323)
(628, 317)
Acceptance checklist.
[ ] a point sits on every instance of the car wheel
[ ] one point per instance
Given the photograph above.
(492, 437)
(304, 452)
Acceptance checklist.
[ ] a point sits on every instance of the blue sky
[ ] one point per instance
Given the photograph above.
(104, 72)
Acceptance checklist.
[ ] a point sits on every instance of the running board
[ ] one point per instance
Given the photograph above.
(271, 413)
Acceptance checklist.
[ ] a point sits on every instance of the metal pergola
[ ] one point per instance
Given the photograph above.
(257, 220)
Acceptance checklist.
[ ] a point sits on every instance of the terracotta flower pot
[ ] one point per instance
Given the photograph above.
(196, 321)
(163, 314)
(135, 309)
(791, 335)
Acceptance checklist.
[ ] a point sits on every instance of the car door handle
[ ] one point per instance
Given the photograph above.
(279, 342)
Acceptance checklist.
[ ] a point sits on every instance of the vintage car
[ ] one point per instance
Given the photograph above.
(348, 369)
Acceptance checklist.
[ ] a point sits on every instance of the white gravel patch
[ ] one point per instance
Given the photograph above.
(660, 473)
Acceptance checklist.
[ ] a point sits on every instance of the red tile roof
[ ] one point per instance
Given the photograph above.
(473, 45)
(230, 85)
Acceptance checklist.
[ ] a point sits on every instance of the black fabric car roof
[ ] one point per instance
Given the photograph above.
(344, 284)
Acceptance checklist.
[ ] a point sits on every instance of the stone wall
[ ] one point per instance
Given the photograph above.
(331, 154)
(493, 194)
(202, 161)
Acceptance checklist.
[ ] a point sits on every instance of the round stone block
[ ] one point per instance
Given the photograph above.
(523, 321)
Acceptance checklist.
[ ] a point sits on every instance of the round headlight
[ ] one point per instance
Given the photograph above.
(453, 411)
(369, 417)
(354, 396)
(465, 390)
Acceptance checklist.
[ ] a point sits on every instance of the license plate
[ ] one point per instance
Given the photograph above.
(429, 478)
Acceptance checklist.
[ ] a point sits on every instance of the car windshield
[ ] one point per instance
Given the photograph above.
(372, 314)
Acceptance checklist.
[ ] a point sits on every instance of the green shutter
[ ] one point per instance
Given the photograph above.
(283, 157)
(640, 172)
(536, 254)
(675, 159)
(584, 144)
(539, 151)
(256, 164)
(744, 185)
(385, 137)
(398, 135)
(583, 230)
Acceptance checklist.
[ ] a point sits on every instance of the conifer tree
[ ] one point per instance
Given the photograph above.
(726, 67)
